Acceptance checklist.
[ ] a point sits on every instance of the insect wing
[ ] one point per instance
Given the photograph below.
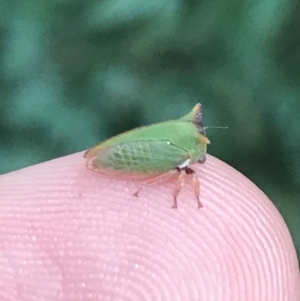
(142, 156)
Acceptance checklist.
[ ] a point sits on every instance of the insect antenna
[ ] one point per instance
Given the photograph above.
(215, 127)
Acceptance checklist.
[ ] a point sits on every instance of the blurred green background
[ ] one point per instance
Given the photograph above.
(76, 72)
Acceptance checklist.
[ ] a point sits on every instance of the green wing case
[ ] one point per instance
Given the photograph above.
(145, 156)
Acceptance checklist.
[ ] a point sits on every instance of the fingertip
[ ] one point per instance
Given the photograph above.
(236, 247)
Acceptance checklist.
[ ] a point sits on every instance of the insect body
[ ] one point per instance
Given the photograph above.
(156, 152)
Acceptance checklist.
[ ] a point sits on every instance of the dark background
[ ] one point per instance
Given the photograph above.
(75, 72)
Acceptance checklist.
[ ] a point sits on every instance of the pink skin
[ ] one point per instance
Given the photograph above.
(67, 233)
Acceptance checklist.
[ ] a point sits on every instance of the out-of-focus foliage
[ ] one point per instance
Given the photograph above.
(76, 72)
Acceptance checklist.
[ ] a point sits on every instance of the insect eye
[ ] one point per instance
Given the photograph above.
(202, 131)
(202, 160)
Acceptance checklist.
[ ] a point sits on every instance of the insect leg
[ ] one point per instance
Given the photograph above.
(178, 187)
(195, 183)
(155, 180)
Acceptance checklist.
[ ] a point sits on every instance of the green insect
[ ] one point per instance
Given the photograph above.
(155, 152)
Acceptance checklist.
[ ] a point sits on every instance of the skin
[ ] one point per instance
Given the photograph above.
(67, 233)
